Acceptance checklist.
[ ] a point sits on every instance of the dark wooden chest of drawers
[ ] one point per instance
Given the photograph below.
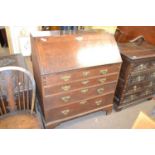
(137, 76)
(76, 73)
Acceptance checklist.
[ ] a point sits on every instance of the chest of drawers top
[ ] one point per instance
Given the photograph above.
(137, 50)
(59, 52)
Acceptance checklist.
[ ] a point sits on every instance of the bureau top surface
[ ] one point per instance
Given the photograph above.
(57, 52)
(137, 51)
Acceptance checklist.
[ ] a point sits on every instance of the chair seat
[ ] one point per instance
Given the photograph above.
(20, 121)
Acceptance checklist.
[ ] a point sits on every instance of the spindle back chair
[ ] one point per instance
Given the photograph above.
(17, 92)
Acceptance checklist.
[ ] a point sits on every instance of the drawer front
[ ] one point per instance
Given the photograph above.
(78, 107)
(65, 77)
(150, 76)
(81, 94)
(140, 66)
(140, 87)
(139, 95)
(137, 79)
(49, 90)
(143, 66)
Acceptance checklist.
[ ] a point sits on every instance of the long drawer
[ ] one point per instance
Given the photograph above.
(137, 96)
(65, 77)
(49, 90)
(76, 95)
(141, 78)
(140, 87)
(78, 107)
(142, 66)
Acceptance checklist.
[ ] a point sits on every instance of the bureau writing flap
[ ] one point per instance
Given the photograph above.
(57, 52)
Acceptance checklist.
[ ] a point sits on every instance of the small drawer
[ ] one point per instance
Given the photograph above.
(78, 108)
(137, 96)
(80, 94)
(130, 98)
(152, 75)
(49, 90)
(70, 76)
(135, 79)
(140, 66)
(140, 87)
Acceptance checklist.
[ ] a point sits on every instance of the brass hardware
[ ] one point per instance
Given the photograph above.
(66, 77)
(100, 90)
(66, 98)
(134, 88)
(151, 84)
(102, 80)
(83, 91)
(98, 102)
(66, 87)
(139, 78)
(141, 66)
(83, 102)
(153, 74)
(65, 112)
(85, 82)
(147, 92)
(132, 97)
(85, 73)
(104, 71)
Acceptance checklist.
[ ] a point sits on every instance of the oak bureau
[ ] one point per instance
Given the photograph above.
(76, 73)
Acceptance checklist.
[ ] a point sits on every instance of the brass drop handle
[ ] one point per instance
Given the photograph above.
(83, 102)
(65, 112)
(83, 91)
(151, 84)
(135, 87)
(85, 73)
(66, 87)
(98, 102)
(102, 80)
(85, 82)
(100, 90)
(153, 74)
(139, 78)
(66, 77)
(66, 98)
(103, 71)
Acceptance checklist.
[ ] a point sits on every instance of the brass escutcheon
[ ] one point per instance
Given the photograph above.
(98, 102)
(83, 102)
(104, 71)
(100, 90)
(66, 77)
(83, 91)
(85, 82)
(66, 87)
(102, 80)
(65, 112)
(66, 98)
(135, 88)
(85, 73)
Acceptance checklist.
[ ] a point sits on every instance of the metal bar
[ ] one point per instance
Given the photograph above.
(1, 113)
(27, 93)
(23, 91)
(18, 85)
(2, 101)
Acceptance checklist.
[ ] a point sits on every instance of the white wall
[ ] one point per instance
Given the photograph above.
(19, 39)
